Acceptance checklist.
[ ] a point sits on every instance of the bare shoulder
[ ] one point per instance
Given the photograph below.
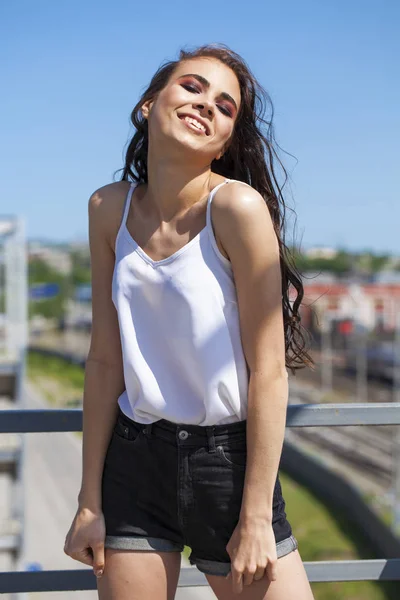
(105, 208)
(241, 217)
(237, 199)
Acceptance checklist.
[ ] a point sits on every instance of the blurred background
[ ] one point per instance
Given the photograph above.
(70, 75)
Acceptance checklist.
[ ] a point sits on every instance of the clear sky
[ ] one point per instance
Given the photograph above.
(71, 73)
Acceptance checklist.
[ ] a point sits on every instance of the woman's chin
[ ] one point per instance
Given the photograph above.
(186, 145)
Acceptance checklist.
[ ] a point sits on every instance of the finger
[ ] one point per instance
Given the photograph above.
(84, 556)
(259, 574)
(248, 577)
(237, 581)
(98, 559)
(272, 570)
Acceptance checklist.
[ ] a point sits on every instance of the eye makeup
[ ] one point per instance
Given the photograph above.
(206, 84)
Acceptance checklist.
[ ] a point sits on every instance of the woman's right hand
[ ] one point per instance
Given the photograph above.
(85, 539)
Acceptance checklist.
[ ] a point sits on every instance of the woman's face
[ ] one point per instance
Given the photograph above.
(203, 89)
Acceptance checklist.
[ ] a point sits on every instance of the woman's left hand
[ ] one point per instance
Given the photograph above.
(252, 550)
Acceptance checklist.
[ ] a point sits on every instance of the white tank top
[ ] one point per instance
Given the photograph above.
(179, 324)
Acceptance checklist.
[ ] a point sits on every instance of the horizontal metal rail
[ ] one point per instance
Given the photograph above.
(83, 579)
(299, 415)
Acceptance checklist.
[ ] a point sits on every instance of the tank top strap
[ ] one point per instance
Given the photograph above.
(212, 194)
(239, 181)
(127, 203)
(209, 200)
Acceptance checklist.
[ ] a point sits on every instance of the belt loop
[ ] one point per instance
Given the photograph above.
(211, 438)
(148, 428)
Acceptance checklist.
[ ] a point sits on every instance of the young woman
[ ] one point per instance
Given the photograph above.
(186, 383)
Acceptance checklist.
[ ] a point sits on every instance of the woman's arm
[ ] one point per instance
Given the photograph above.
(104, 380)
(245, 229)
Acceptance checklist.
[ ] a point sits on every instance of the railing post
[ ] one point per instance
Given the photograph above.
(396, 440)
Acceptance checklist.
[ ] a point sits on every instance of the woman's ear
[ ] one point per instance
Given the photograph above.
(146, 108)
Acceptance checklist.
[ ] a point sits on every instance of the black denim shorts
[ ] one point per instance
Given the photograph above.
(167, 485)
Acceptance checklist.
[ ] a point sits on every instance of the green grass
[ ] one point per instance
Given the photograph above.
(60, 382)
(323, 532)
(56, 368)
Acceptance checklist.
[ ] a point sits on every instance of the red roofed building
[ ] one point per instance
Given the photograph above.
(372, 305)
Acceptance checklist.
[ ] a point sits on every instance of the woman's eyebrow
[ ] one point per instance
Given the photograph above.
(206, 84)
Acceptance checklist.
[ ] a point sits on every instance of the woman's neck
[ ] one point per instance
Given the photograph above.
(172, 189)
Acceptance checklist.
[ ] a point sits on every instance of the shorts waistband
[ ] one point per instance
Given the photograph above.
(188, 434)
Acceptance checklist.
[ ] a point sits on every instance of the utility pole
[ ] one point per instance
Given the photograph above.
(326, 351)
(13, 348)
(361, 364)
(396, 437)
(360, 344)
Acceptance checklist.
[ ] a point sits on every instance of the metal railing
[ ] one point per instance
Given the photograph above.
(299, 415)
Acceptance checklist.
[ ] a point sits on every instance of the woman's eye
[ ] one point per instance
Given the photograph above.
(194, 89)
(189, 87)
(225, 111)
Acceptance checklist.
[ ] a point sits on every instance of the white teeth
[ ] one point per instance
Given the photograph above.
(196, 123)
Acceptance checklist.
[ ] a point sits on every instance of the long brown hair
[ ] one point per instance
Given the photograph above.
(251, 157)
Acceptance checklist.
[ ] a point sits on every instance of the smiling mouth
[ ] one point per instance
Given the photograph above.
(194, 125)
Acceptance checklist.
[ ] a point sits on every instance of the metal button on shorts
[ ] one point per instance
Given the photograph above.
(183, 435)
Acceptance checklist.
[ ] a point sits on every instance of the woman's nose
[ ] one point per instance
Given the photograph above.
(205, 105)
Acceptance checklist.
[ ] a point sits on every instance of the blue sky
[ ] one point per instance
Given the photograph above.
(71, 73)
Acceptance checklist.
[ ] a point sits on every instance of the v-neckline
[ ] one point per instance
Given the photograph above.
(148, 258)
(145, 256)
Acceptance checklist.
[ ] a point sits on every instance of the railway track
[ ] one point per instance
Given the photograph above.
(367, 449)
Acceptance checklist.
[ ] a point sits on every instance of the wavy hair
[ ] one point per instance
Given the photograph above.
(251, 157)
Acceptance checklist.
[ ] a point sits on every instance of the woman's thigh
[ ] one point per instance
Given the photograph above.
(291, 583)
(135, 575)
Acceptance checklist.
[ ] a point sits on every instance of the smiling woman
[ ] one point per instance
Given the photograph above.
(186, 382)
(195, 124)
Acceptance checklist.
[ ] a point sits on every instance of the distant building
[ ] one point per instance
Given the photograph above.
(321, 252)
(57, 259)
(371, 305)
(387, 277)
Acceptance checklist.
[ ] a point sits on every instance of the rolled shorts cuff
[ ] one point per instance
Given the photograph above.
(212, 567)
(141, 543)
